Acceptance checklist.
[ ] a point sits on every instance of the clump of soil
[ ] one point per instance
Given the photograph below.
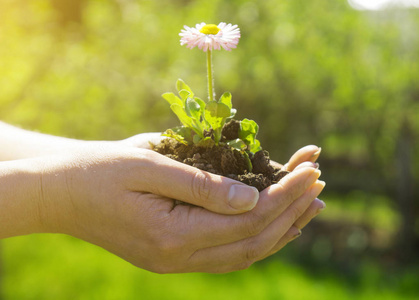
(224, 160)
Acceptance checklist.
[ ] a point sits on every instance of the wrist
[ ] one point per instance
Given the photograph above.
(19, 200)
(33, 198)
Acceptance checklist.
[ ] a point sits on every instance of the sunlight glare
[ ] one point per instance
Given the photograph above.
(382, 4)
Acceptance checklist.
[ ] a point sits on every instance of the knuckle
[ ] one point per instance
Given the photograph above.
(243, 266)
(167, 257)
(289, 191)
(252, 252)
(165, 242)
(255, 224)
(169, 247)
(201, 186)
(296, 211)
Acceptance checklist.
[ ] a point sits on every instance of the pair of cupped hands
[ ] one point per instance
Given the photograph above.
(123, 197)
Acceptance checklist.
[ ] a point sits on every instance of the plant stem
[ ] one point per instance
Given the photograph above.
(210, 78)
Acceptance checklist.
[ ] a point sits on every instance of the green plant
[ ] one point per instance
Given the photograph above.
(203, 122)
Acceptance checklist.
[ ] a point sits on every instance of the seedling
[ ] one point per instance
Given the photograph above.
(203, 121)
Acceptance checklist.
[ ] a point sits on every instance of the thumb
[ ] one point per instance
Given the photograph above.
(182, 182)
(143, 140)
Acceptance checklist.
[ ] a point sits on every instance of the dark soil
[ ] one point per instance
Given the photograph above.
(224, 160)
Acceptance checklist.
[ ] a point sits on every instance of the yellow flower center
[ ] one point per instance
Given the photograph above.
(210, 29)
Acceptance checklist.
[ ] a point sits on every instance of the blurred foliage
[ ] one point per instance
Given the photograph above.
(61, 267)
(307, 72)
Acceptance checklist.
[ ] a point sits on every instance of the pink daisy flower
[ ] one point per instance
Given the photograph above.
(210, 36)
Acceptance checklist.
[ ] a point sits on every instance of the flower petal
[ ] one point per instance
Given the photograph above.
(227, 38)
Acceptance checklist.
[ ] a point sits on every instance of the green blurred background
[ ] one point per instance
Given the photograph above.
(309, 72)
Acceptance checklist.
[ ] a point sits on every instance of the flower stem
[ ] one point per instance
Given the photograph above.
(210, 78)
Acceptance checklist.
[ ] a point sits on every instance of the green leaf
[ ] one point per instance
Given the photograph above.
(202, 105)
(255, 147)
(171, 134)
(226, 99)
(196, 139)
(248, 132)
(186, 132)
(181, 134)
(184, 94)
(215, 113)
(237, 144)
(172, 98)
(181, 114)
(248, 162)
(193, 109)
(206, 142)
(181, 85)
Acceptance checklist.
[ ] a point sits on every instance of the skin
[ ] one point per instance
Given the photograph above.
(122, 197)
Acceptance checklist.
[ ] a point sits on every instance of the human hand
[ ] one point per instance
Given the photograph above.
(100, 192)
(305, 157)
(122, 199)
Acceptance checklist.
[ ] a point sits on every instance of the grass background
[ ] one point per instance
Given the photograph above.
(61, 267)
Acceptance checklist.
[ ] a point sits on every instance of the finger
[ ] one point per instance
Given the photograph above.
(292, 234)
(228, 229)
(247, 251)
(307, 153)
(169, 178)
(315, 208)
(307, 164)
(291, 187)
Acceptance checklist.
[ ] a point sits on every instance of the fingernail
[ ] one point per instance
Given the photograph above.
(317, 153)
(297, 235)
(317, 188)
(313, 177)
(243, 197)
(321, 208)
(307, 164)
